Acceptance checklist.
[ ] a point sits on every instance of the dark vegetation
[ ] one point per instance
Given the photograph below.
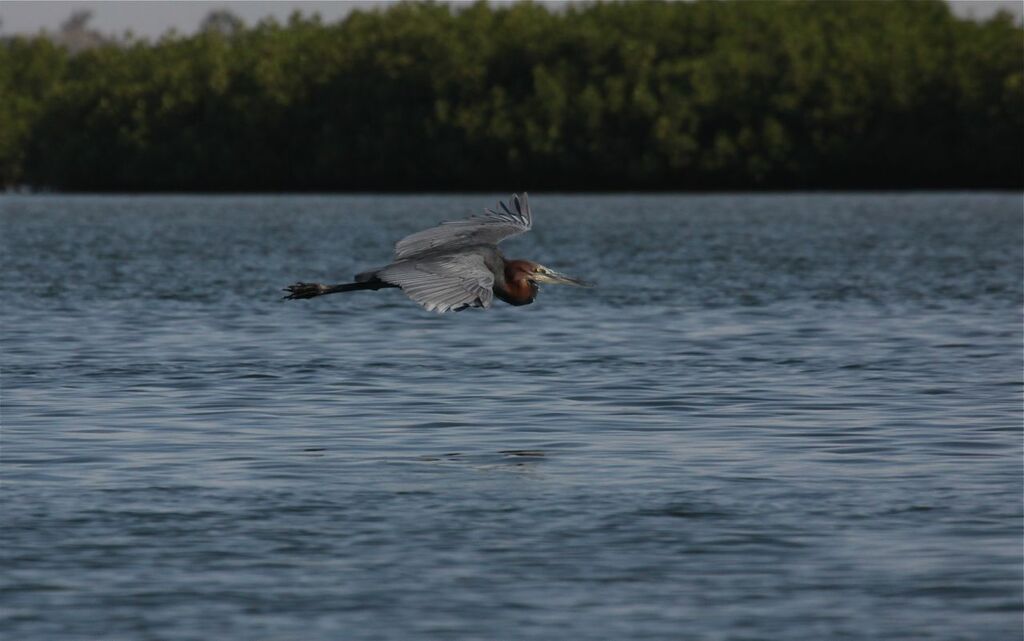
(421, 96)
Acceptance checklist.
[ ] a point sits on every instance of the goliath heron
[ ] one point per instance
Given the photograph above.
(457, 265)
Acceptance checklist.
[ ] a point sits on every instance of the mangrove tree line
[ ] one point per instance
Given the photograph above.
(606, 96)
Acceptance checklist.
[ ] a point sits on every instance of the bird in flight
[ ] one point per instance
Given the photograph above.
(457, 265)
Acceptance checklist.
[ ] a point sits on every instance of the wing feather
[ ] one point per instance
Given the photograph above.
(489, 228)
(444, 283)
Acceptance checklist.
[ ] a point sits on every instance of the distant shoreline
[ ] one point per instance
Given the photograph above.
(699, 97)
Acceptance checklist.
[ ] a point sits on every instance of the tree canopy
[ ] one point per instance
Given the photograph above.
(608, 96)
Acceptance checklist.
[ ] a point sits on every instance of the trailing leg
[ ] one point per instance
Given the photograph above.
(312, 290)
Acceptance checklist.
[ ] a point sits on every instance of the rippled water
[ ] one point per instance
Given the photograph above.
(777, 417)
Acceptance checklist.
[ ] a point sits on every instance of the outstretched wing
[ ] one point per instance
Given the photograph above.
(487, 229)
(450, 282)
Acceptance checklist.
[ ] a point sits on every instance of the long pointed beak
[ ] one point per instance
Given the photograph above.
(554, 278)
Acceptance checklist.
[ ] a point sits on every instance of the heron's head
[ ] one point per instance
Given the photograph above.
(545, 275)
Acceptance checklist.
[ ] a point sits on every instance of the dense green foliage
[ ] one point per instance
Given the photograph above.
(637, 95)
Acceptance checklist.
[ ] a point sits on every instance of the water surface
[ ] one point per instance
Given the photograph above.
(777, 417)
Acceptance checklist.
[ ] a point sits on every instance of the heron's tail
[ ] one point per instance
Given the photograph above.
(312, 290)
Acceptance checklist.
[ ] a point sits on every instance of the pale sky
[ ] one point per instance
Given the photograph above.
(152, 18)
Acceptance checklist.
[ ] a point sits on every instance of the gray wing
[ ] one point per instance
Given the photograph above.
(486, 229)
(443, 283)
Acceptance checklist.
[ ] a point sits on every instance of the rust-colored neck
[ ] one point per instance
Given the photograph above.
(518, 288)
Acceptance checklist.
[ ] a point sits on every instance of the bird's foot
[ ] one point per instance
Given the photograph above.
(304, 290)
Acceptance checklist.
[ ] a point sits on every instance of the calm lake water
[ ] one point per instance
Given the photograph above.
(787, 417)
